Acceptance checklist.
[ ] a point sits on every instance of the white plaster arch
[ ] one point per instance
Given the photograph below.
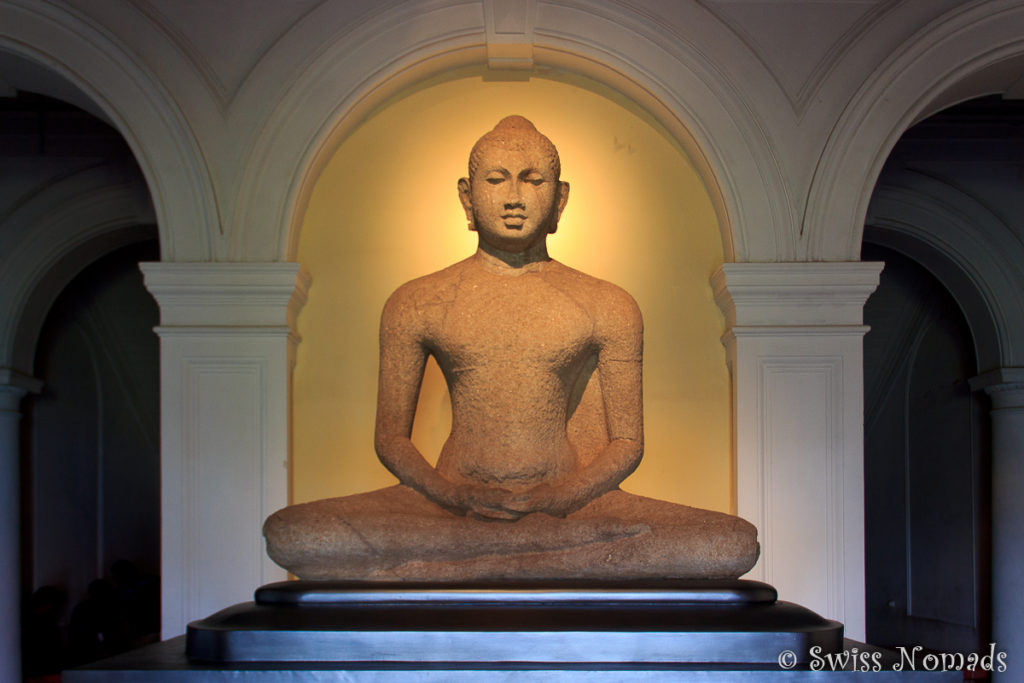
(675, 81)
(954, 53)
(144, 113)
(975, 255)
(62, 229)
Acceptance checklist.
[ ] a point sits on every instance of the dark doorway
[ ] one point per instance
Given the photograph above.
(925, 471)
(91, 469)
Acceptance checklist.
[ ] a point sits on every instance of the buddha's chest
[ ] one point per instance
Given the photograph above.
(513, 321)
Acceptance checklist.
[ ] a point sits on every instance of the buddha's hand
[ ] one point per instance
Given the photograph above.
(557, 500)
(482, 502)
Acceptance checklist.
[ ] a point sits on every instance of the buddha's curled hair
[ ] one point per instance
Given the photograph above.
(515, 133)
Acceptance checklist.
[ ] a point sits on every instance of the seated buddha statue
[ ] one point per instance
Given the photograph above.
(543, 366)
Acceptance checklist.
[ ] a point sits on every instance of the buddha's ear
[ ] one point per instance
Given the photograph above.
(563, 198)
(467, 201)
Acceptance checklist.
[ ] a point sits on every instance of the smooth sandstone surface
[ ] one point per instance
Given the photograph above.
(543, 364)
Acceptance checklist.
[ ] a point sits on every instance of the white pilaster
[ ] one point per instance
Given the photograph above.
(227, 342)
(13, 387)
(1006, 388)
(795, 350)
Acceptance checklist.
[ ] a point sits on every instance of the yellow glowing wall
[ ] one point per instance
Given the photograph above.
(385, 210)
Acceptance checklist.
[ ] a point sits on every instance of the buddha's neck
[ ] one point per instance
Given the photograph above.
(512, 262)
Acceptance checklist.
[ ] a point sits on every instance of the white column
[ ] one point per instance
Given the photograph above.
(227, 347)
(795, 351)
(13, 387)
(1006, 388)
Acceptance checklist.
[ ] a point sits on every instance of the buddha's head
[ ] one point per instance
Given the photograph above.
(513, 196)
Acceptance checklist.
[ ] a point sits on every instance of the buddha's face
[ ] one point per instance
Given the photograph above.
(514, 198)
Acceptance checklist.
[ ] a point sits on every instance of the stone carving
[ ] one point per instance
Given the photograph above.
(543, 364)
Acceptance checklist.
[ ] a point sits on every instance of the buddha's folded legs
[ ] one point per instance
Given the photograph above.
(397, 534)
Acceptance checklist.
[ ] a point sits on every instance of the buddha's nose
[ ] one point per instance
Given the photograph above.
(515, 195)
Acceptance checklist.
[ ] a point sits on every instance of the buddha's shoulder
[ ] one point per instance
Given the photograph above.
(600, 296)
(436, 288)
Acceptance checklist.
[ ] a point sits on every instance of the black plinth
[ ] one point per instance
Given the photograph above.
(660, 622)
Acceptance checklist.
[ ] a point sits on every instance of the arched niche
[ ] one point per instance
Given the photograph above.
(964, 54)
(71, 196)
(958, 240)
(947, 198)
(384, 209)
(61, 230)
(672, 79)
(130, 97)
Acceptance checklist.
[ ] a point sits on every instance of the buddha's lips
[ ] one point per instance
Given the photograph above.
(514, 217)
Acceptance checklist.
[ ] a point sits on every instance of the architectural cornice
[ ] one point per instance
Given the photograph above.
(12, 379)
(232, 295)
(1004, 385)
(794, 294)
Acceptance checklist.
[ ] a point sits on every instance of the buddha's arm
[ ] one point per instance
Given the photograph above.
(619, 330)
(403, 357)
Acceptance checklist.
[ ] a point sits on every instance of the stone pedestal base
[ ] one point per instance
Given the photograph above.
(706, 631)
(665, 622)
(166, 663)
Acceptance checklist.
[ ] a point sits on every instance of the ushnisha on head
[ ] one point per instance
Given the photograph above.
(513, 196)
(516, 133)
